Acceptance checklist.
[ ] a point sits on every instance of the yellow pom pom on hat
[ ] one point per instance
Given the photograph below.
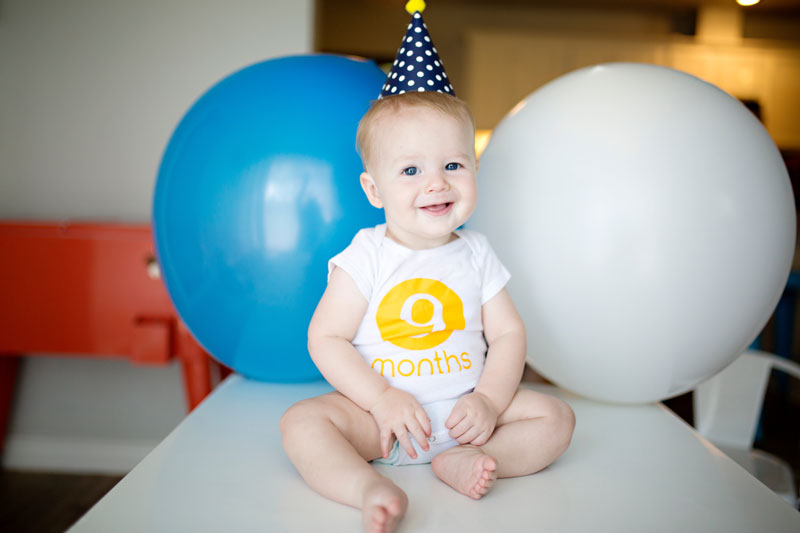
(417, 66)
(412, 6)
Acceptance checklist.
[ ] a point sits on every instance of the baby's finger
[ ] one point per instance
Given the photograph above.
(481, 439)
(459, 429)
(420, 436)
(456, 416)
(424, 421)
(405, 442)
(386, 438)
(469, 435)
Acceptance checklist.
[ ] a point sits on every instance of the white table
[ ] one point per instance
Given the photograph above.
(629, 469)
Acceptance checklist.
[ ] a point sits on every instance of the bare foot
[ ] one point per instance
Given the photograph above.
(384, 506)
(467, 469)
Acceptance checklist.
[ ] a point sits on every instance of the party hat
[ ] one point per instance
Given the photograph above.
(417, 66)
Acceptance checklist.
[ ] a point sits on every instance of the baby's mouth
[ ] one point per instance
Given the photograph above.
(437, 209)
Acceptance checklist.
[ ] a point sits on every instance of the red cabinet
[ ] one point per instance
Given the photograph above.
(89, 290)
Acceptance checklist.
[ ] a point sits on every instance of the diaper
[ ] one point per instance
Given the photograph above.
(439, 440)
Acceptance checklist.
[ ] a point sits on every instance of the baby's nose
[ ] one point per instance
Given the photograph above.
(437, 182)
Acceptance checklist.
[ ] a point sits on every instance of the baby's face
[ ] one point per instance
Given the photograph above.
(422, 163)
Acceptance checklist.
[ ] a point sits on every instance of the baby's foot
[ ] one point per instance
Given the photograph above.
(467, 469)
(384, 506)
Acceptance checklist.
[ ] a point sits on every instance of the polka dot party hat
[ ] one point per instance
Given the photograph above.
(417, 66)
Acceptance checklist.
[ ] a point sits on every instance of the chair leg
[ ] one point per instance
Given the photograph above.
(9, 366)
(196, 379)
(224, 371)
(196, 367)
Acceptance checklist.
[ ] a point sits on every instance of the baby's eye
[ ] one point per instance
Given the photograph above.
(410, 171)
(452, 166)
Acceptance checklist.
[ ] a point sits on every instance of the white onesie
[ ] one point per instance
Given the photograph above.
(422, 330)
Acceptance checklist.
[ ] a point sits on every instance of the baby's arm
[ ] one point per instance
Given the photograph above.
(330, 333)
(474, 416)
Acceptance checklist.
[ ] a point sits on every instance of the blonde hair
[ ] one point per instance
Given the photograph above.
(443, 103)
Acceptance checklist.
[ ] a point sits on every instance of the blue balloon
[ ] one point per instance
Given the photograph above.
(257, 189)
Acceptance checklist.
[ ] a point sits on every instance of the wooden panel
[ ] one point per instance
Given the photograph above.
(782, 98)
(504, 67)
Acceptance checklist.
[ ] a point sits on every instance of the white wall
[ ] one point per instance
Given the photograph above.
(90, 91)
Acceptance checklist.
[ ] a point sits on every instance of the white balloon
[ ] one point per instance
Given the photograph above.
(648, 221)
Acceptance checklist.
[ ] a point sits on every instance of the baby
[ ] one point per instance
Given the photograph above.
(417, 333)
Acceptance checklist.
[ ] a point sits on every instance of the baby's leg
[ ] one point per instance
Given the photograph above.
(329, 439)
(531, 433)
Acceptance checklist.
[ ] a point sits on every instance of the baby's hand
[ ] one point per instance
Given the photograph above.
(399, 413)
(472, 420)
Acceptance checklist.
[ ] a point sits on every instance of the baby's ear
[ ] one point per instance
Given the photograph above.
(371, 190)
